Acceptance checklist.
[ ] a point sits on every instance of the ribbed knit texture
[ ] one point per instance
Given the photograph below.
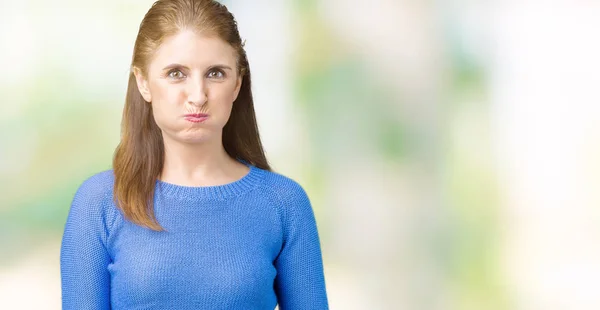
(249, 244)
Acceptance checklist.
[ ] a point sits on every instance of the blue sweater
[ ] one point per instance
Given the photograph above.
(249, 244)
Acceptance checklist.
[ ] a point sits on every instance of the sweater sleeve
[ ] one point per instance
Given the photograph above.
(85, 280)
(300, 281)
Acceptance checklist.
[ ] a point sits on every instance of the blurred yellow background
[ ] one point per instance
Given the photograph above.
(451, 149)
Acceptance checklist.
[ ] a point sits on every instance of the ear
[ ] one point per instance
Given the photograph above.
(238, 86)
(142, 84)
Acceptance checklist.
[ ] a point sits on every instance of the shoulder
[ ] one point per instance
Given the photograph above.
(292, 205)
(94, 194)
(92, 211)
(291, 199)
(286, 188)
(96, 186)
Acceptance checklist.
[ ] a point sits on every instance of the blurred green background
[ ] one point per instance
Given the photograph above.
(450, 148)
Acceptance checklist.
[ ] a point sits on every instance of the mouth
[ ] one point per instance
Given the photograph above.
(196, 117)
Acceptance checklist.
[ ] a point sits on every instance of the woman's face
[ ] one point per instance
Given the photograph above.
(192, 82)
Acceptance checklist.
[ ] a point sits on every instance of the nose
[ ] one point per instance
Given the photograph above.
(196, 92)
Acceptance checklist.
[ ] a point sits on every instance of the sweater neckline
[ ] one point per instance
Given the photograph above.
(216, 192)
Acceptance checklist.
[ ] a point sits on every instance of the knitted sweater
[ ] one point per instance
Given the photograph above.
(249, 244)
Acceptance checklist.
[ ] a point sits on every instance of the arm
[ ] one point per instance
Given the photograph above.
(300, 282)
(83, 256)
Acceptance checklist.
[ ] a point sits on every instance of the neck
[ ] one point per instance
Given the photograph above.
(202, 164)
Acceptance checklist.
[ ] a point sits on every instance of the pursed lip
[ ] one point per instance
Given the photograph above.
(197, 115)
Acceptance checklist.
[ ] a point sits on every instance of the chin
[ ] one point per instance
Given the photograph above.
(196, 137)
(191, 135)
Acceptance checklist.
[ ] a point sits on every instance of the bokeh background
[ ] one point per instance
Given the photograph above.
(451, 149)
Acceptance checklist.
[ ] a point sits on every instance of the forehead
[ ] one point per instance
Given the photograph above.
(193, 50)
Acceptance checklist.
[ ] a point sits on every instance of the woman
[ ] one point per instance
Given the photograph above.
(190, 216)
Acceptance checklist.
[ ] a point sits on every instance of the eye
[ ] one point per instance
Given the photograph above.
(216, 74)
(176, 74)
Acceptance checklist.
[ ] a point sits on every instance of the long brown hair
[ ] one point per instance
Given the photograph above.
(139, 157)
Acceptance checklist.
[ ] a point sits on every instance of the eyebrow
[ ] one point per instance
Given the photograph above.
(175, 65)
